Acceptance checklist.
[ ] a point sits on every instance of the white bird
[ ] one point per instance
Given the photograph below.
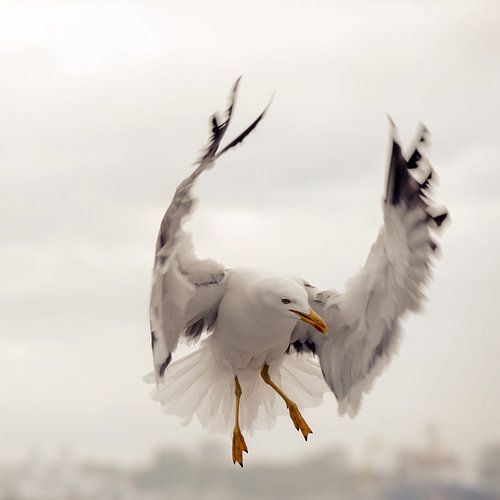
(262, 329)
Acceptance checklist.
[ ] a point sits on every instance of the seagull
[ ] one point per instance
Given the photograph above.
(272, 342)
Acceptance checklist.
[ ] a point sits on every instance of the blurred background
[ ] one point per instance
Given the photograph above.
(104, 108)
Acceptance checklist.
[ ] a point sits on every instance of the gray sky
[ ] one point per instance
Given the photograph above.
(103, 108)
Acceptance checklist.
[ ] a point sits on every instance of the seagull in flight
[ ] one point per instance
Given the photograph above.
(271, 343)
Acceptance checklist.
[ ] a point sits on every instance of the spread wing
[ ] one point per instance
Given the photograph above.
(365, 320)
(186, 291)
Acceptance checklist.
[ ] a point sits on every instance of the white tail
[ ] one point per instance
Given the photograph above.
(197, 385)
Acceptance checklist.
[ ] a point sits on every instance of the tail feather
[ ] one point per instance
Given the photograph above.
(200, 386)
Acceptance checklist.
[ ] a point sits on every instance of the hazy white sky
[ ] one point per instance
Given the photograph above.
(103, 108)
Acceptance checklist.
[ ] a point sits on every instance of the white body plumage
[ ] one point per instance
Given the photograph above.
(250, 330)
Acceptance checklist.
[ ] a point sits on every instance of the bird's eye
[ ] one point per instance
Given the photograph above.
(286, 301)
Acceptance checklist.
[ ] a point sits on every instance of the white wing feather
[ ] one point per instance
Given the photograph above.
(365, 321)
(186, 291)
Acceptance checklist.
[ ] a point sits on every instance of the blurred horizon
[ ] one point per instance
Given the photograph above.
(430, 471)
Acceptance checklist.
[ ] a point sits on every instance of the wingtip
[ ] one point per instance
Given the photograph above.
(423, 133)
(440, 218)
(426, 182)
(239, 139)
(268, 105)
(392, 126)
(237, 84)
(393, 130)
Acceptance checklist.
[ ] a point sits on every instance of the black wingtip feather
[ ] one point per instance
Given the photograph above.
(402, 187)
(415, 157)
(240, 138)
(215, 125)
(421, 138)
(424, 133)
(219, 129)
(165, 364)
(398, 176)
(439, 219)
(425, 183)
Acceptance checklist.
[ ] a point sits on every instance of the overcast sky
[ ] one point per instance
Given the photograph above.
(104, 107)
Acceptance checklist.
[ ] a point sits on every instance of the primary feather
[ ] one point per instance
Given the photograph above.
(366, 317)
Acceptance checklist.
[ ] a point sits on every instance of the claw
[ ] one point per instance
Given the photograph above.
(239, 446)
(298, 420)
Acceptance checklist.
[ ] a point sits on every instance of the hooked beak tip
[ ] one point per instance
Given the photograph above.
(313, 319)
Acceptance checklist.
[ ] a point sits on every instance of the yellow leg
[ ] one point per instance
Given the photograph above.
(297, 419)
(239, 445)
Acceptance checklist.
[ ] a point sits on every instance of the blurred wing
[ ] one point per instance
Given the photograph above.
(364, 321)
(186, 291)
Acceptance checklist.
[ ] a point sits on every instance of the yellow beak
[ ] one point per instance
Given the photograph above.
(314, 320)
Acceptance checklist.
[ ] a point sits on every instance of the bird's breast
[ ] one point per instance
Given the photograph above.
(247, 337)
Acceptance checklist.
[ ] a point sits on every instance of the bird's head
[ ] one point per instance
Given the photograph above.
(288, 298)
